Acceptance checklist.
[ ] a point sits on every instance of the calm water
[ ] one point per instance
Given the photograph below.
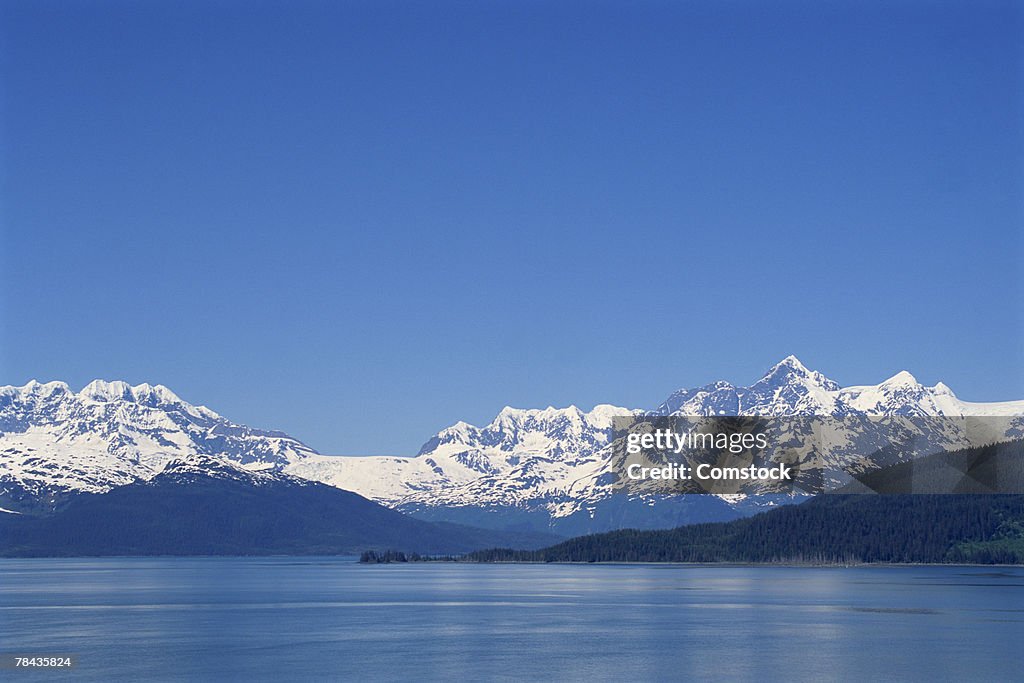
(288, 618)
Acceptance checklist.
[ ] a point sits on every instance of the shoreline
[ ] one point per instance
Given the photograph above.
(354, 559)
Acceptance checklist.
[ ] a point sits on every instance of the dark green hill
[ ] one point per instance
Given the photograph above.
(227, 512)
(828, 529)
(968, 524)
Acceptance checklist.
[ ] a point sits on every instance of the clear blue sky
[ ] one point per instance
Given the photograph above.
(360, 222)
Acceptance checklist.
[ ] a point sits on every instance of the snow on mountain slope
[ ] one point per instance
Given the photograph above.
(186, 468)
(520, 455)
(558, 460)
(789, 388)
(553, 461)
(54, 441)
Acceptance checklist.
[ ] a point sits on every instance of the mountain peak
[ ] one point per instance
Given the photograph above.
(197, 462)
(150, 395)
(103, 391)
(208, 466)
(154, 394)
(791, 362)
(791, 367)
(36, 387)
(901, 379)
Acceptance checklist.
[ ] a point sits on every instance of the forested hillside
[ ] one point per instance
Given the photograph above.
(827, 529)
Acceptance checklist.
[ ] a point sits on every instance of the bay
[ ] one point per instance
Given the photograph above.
(334, 619)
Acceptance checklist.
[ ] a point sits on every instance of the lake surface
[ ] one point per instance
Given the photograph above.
(317, 618)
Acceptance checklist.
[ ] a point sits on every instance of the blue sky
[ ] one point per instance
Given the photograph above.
(360, 222)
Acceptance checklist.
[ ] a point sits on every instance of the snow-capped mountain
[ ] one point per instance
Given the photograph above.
(520, 457)
(541, 469)
(186, 469)
(557, 464)
(54, 441)
(204, 505)
(789, 389)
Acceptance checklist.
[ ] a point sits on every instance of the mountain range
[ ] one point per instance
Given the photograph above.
(201, 505)
(542, 470)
